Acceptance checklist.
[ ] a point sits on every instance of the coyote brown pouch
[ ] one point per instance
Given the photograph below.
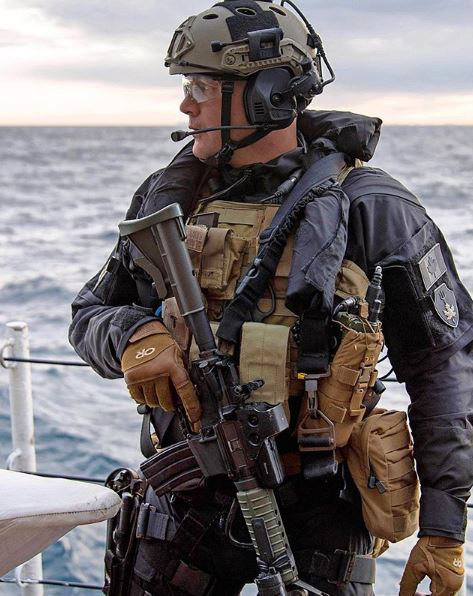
(381, 463)
(353, 373)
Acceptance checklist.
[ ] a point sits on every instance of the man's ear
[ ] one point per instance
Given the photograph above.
(266, 98)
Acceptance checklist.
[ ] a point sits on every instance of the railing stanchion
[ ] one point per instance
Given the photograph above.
(22, 429)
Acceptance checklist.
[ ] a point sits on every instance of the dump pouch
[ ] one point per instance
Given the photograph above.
(380, 459)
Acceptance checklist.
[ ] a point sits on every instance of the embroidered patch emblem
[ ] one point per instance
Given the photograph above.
(432, 266)
(144, 352)
(445, 305)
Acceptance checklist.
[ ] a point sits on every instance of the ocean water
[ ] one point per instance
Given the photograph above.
(62, 193)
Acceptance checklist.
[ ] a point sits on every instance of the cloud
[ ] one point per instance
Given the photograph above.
(126, 17)
(407, 44)
(117, 18)
(143, 72)
(375, 46)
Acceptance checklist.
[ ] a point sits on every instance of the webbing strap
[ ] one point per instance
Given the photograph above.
(313, 354)
(398, 441)
(168, 569)
(154, 524)
(403, 495)
(340, 567)
(146, 444)
(227, 92)
(321, 171)
(401, 467)
(184, 536)
(229, 146)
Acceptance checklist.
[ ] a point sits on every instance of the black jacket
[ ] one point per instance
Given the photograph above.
(430, 351)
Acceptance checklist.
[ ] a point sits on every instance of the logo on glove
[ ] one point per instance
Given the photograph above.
(144, 352)
(457, 563)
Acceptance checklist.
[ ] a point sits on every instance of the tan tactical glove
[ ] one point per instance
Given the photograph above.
(154, 371)
(441, 559)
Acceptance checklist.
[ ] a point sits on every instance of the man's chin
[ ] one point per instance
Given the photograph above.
(202, 152)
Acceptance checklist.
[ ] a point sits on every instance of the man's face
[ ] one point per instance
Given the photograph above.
(202, 103)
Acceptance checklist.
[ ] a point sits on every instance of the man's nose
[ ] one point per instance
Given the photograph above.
(189, 106)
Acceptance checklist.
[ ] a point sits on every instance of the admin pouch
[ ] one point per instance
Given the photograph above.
(380, 459)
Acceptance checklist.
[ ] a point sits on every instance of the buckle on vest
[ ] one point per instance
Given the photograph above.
(152, 524)
(341, 566)
(316, 436)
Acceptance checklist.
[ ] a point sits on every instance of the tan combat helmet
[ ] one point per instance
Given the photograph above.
(217, 40)
(278, 53)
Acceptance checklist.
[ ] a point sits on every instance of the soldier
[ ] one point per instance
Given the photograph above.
(250, 70)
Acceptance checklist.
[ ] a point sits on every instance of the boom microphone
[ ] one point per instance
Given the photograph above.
(180, 135)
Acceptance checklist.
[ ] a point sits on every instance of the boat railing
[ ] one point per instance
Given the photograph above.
(15, 357)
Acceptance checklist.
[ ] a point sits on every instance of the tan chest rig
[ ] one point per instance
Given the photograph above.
(222, 238)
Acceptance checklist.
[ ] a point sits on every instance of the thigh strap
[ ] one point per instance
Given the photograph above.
(184, 536)
(176, 574)
(340, 567)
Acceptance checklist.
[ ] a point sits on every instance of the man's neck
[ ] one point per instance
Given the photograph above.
(269, 147)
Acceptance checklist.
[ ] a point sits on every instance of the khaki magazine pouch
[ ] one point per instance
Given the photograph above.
(380, 459)
(353, 374)
(216, 255)
(264, 355)
(340, 395)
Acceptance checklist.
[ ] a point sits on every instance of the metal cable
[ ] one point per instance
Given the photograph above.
(52, 582)
(386, 377)
(44, 361)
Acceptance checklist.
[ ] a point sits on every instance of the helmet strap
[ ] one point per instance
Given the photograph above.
(228, 146)
(227, 93)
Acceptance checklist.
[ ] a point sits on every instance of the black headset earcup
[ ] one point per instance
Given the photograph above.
(265, 99)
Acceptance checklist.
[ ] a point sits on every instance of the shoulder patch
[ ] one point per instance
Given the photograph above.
(445, 305)
(432, 267)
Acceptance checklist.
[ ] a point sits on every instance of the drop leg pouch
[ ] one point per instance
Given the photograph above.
(380, 459)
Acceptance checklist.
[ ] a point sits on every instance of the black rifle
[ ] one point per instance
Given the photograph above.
(237, 437)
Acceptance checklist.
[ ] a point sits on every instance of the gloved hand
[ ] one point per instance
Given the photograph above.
(441, 559)
(154, 371)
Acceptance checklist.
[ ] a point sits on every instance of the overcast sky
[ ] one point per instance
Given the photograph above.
(101, 61)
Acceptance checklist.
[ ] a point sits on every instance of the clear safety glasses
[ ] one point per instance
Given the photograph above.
(200, 88)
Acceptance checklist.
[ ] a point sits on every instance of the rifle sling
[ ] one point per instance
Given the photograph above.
(314, 183)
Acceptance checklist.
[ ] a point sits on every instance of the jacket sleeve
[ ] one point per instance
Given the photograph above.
(109, 307)
(428, 326)
(106, 311)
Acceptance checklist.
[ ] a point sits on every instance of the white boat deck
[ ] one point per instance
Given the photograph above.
(35, 512)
